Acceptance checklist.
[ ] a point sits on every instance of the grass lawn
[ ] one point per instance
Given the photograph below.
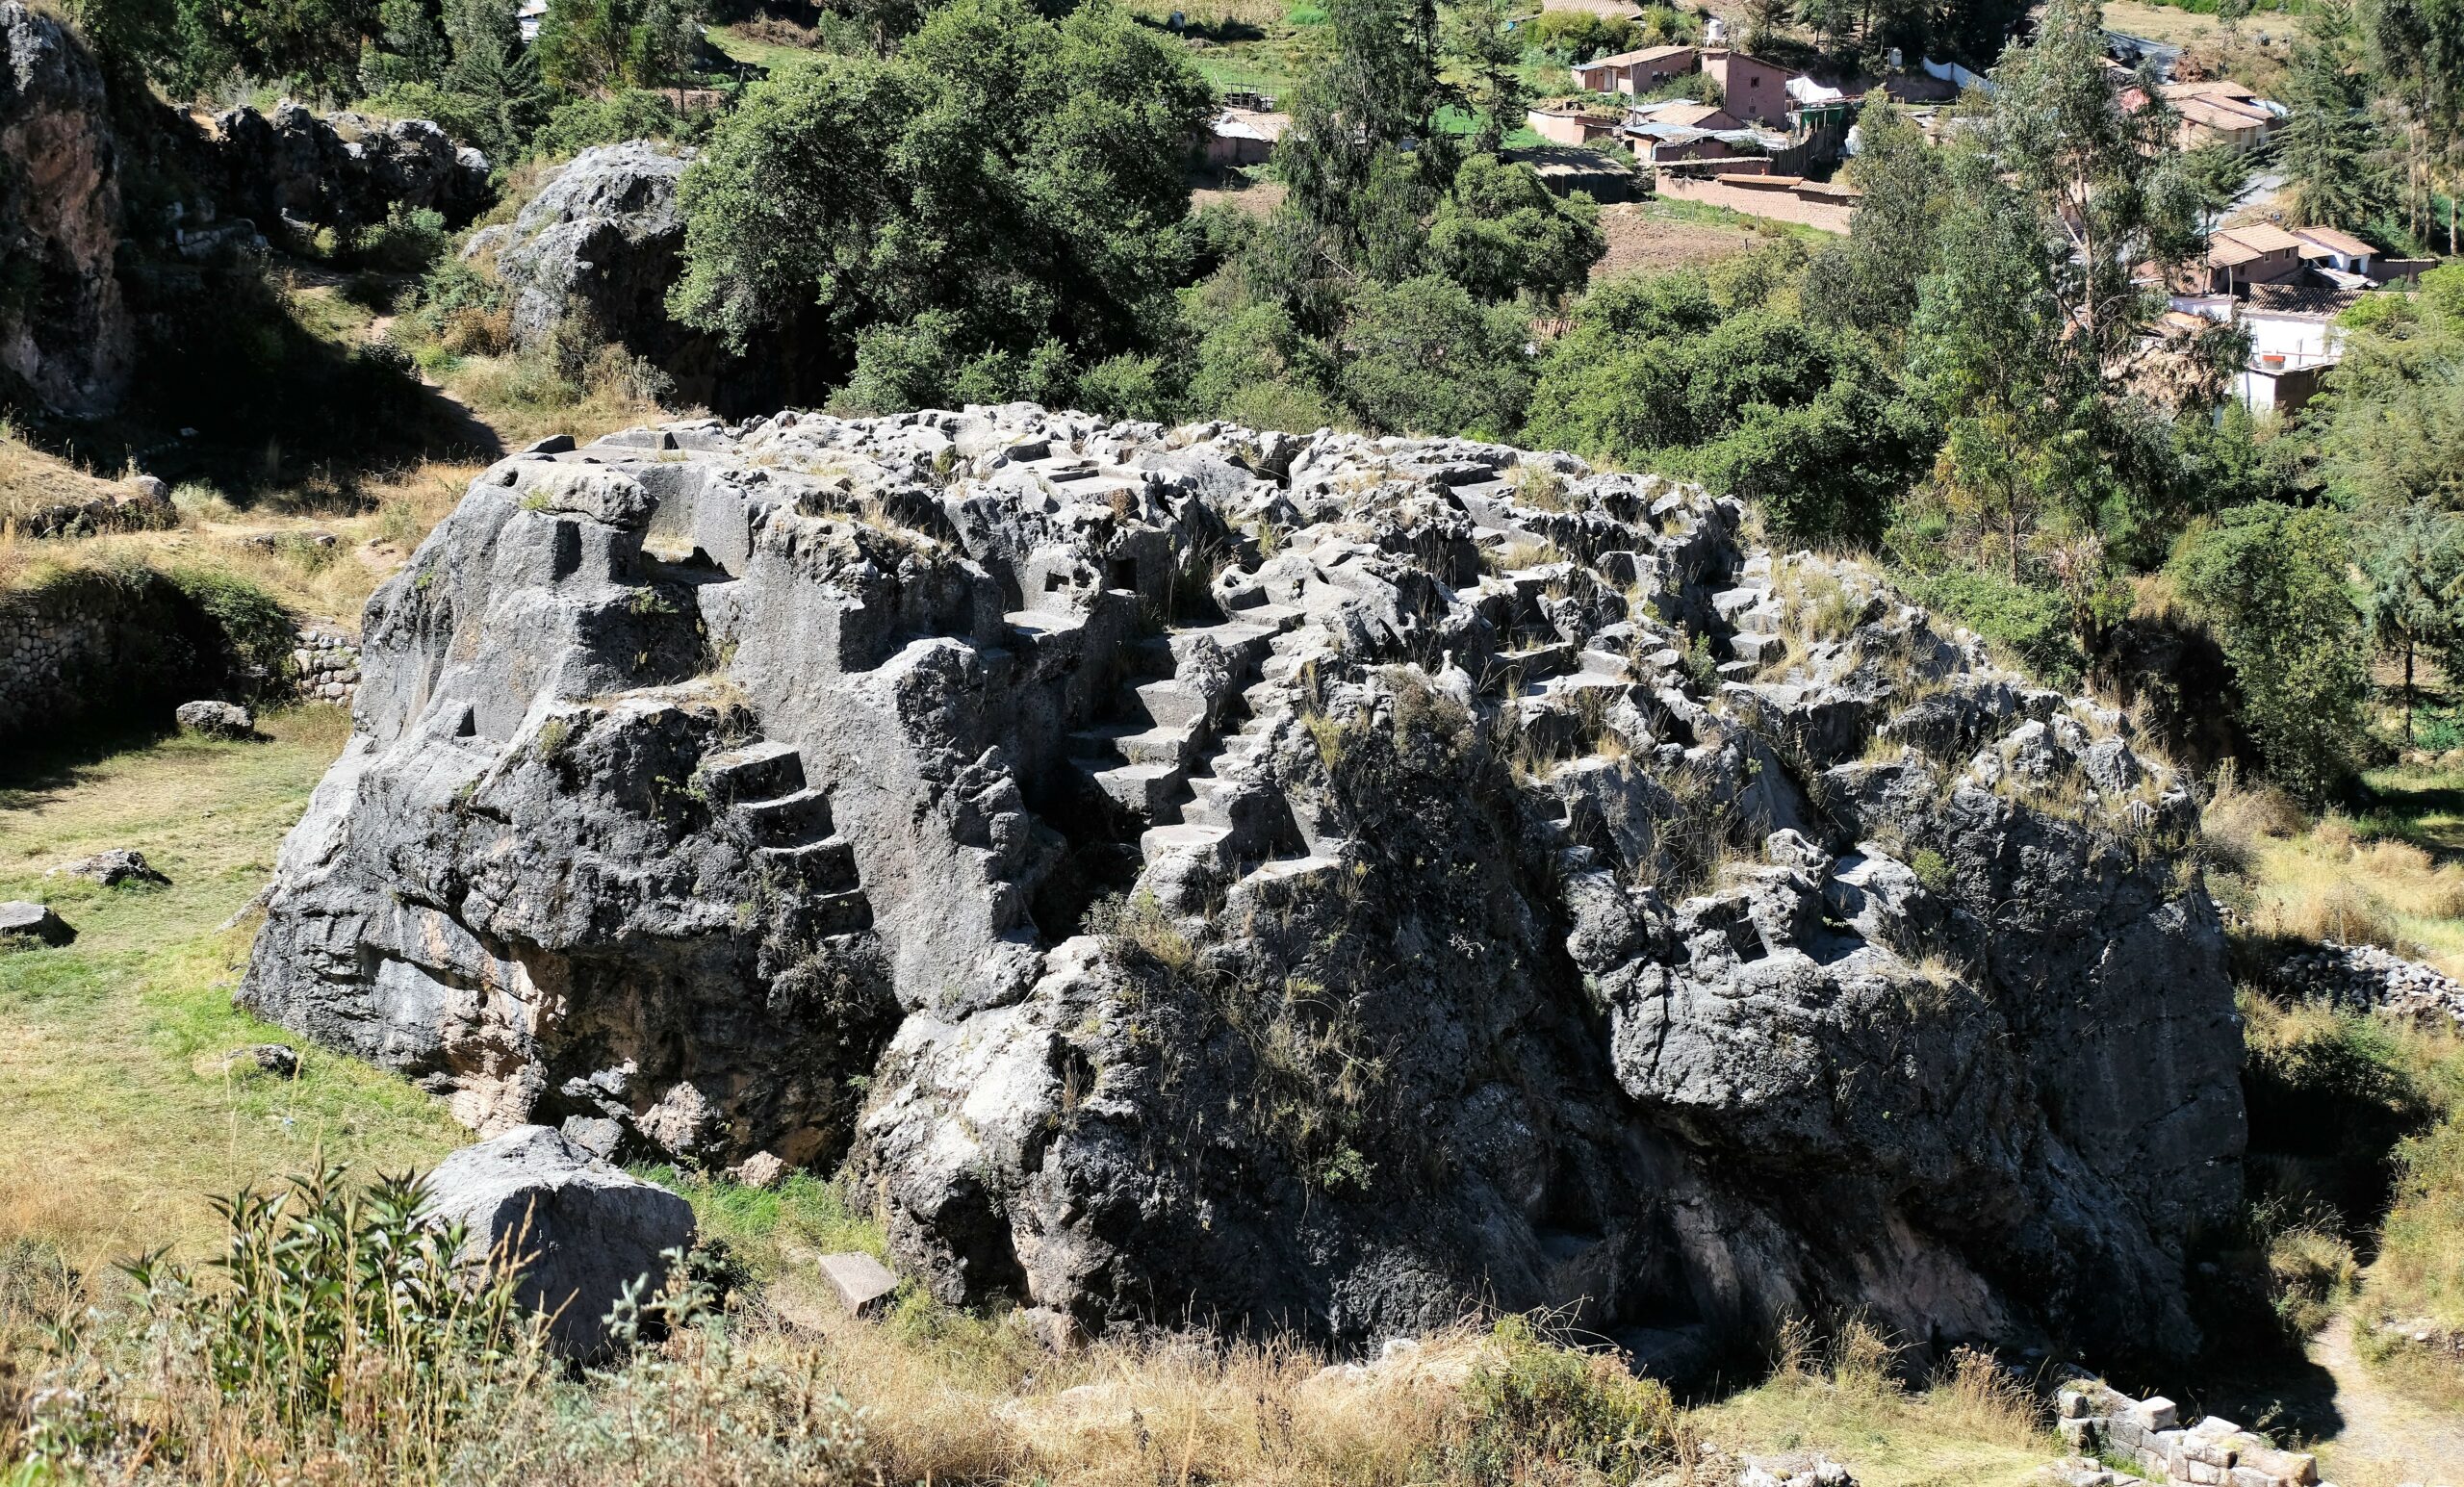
(114, 1135)
(737, 45)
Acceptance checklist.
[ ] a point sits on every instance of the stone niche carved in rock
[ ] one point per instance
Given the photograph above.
(1282, 881)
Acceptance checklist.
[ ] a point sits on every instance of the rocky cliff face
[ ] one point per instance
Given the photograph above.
(344, 171)
(1304, 880)
(63, 330)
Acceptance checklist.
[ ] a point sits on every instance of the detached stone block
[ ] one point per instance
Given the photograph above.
(862, 1284)
(22, 922)
(215, 720)
(2156, 1414)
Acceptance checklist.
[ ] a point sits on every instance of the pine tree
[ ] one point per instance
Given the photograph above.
(2332, 148)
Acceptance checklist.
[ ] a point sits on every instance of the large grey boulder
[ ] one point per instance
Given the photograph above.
(67, 337)
(216, 719)
(605, 234)
(1205, 872)
(578, 1230)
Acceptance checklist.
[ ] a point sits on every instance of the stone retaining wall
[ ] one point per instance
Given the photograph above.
(144, 504)
(91, 645)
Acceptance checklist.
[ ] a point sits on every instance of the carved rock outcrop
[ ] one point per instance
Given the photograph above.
(1286, 880)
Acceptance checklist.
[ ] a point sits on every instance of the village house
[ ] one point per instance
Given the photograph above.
(1571, 123)
(2326, 248)
(1635, 72)
(2295, 340)
(1243, 136)
(2255, 253)
(1755, 90)
(2217, 111)
(1665, 133)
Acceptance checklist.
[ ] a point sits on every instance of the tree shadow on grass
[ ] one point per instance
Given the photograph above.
(235, 389)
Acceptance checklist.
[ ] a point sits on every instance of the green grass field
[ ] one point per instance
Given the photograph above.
(114, 1134)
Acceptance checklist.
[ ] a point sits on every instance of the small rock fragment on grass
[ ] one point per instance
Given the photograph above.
(215, 720)
(761, 1169)
(862, 1284)
(112, 868)
(23, 923)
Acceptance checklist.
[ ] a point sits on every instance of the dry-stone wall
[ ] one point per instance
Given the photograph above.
(2108, 1426)
(90, 646)
(144, 505)
(2367, 978)
(1299, 880)
(325, 664)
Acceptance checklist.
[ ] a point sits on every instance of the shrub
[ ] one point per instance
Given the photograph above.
(2312, 1272)
(256, 632)
(2032, 625)
(333, 1322)
(1540, 1405)
(406, 241)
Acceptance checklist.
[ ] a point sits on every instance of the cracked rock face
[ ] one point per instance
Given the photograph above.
(1276, 881)
(65, 332)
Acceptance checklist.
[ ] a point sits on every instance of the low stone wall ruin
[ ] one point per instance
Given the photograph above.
(88, 645)
(2107, 1426)
(2367, 978)
(326, 663)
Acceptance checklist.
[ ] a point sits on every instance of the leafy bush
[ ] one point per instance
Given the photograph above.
(2032, 624)
(406, 241)
(577, 124)
(333, 1321)
(2272, 581)
(1579, 35)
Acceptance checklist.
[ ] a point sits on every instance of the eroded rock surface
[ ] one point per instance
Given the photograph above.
(344, 171)
(65, 333)
(1283, 881)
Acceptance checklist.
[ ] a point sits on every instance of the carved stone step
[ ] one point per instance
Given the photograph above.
(1042, 628)
(1144, 790)
(763, 768)
(840, 914)
(1211, 843)
(1170, 704)
(803, 815)
(1130, 743)
(829, 863)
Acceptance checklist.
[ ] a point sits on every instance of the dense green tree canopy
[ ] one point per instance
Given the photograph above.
(1016, 178)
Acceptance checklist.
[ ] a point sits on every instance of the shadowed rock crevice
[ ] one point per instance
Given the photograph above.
(1207, 874)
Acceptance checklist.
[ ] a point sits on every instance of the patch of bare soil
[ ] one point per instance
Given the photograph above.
(2385, 1437)
(1637, 239)
(1258, 200)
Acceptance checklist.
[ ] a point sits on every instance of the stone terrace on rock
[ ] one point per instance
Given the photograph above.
(1302, 880)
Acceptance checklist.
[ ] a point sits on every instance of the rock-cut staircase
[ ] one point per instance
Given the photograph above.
(762, 786)
(1168, 759)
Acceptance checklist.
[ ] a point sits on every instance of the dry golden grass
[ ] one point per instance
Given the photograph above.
(2324, 884)
(329, 581)
(31, 480)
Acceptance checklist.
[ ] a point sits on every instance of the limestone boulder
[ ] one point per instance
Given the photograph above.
(576, 1230)
(216, 719)
(1204, 872)
(25, 923)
